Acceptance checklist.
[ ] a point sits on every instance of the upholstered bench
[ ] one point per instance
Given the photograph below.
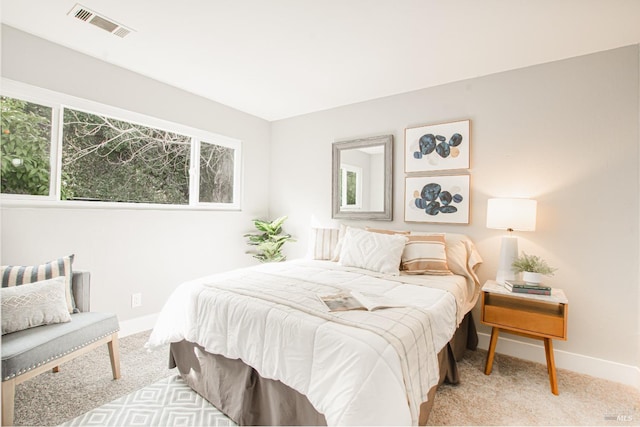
(32, 351)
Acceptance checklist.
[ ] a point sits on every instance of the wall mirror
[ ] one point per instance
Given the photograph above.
(362, 178)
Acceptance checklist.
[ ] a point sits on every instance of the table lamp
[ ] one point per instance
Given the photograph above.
(510, 215)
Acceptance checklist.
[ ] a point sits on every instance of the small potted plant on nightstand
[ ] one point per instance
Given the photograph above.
(532, 268)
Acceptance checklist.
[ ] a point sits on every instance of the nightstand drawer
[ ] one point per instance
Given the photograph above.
(525, 316)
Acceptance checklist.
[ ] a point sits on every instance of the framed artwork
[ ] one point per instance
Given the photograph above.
(437, 147)
(437, 199)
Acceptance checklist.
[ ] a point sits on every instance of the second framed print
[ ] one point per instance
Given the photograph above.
(437, 147)
(438, 199)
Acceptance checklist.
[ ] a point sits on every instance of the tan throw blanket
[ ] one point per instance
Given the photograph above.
(406, 329)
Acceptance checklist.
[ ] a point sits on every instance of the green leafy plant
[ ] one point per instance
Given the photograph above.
(269, 240)
(24, 147)
(533, 264)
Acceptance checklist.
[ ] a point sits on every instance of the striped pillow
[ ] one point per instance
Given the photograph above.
(21, 275)
(425, 255)
(323, 243)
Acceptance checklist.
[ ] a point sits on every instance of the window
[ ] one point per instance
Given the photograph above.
(352, 182)
(25, 147)
(112, 160)
(103, 154)
(216, 173)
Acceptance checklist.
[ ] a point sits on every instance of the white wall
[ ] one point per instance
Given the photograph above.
(565, 133)
(126, 251)
(638, 262)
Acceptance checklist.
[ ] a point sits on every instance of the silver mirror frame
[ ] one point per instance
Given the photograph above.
(387, 213)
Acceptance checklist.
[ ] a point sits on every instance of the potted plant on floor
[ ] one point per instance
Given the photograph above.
(532, 268)
(269, 240)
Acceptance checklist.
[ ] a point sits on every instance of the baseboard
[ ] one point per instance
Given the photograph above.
(605, 369)
(139, 324)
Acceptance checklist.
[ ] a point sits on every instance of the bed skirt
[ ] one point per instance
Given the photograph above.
(243, 395)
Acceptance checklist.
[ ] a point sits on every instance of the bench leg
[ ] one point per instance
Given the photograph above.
(9, 386)
(114, 355)
(56, 369)
(8, 399)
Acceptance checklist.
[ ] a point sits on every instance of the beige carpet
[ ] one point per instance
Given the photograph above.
(516, 393)
(86, 383)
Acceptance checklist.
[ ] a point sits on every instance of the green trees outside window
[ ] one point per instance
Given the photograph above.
(216, 173)
(352, 181)
(25, 144)
(107, 159)
(117, 161)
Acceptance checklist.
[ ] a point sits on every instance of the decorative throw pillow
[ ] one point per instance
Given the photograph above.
(372, 251)
(21, 275)
(34, 304)
(462, 256)
(323, 243)
(426, 255)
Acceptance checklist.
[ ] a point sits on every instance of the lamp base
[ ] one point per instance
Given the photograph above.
(508, 254)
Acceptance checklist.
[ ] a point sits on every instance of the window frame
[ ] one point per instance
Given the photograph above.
(58, 101)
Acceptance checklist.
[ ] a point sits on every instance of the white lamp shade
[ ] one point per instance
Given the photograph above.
(511, 214)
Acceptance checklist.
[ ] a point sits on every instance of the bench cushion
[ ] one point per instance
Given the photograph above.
(30, 348)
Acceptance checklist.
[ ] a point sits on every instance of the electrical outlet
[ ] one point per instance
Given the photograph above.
(136, 300)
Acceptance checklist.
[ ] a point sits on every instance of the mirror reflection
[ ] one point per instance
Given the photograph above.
(362, 178)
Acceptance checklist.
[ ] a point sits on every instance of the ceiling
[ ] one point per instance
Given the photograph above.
(282, 58)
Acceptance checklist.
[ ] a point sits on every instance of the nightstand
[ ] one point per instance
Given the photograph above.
(541, 317)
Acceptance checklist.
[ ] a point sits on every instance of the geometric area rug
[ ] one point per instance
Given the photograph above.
(168, 402)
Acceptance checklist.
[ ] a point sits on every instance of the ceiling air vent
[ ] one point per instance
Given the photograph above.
(87, 15)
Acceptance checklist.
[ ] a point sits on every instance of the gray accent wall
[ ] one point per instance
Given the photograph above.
(565, 133)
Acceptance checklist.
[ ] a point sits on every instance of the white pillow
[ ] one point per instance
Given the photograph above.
(34, 304)
(323, 243)
(372, 251)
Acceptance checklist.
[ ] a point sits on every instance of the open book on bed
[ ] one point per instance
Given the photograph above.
(352, 300)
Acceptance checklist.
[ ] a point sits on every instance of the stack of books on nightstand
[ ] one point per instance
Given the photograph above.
(523, 287)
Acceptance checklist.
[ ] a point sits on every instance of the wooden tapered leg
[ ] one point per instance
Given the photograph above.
(56, 369)
(114, 355)
(492, 350)
(551, 365)
(8, 399)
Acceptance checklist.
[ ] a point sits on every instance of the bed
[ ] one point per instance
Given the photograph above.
(260, 345)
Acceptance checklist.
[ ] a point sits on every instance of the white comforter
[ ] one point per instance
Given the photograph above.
(351, 375)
